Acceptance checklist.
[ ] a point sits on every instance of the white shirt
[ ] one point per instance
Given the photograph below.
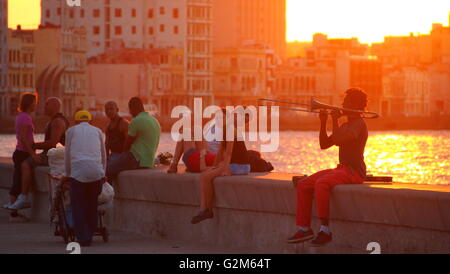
(85, 154)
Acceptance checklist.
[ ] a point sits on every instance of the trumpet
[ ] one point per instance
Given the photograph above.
(315, 107)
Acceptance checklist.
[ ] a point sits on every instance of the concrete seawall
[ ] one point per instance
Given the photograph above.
(257, 212)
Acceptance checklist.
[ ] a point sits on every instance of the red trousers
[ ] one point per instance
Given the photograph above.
(319, 186)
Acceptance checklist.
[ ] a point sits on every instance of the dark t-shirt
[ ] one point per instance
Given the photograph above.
(351, 153)
(48, 129)
(115, 137)
(239, 153)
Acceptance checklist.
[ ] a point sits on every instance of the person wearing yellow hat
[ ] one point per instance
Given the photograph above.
(85, 161)
(83, 115)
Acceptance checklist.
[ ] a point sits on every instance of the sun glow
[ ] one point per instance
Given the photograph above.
(368, 20)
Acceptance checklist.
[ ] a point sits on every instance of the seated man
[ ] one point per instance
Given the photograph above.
(54, 134)
(141, 143)
(85, 161)
(351, 138)
(116, 132)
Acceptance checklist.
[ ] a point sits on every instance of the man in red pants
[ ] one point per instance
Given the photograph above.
(351, 139)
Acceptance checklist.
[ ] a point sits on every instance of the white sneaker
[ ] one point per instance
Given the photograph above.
(6, 206)
(20, 203)
(18, 219)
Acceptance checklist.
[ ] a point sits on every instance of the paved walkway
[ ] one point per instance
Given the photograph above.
(25, 238)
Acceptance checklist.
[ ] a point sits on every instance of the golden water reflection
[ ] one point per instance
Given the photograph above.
(410, 156)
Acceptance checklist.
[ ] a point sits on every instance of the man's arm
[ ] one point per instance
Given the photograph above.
(131, 135)
(67, 156)
(102, 150)
(106, 143)
(58, 129)
(325, 140)
(343, 135)
(123, 127)
(129, 142)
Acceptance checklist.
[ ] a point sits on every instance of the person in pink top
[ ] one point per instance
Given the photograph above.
(25, 141)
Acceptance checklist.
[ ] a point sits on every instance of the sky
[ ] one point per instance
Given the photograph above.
(369, 20)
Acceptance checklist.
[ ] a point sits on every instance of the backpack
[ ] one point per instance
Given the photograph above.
(257, 164)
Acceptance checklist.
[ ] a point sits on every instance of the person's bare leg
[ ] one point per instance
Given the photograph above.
(26, 178)
(176, 157)
(207, 188)
(181, 147)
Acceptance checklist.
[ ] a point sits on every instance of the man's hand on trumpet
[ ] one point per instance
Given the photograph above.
(323, 116)
(336, 114)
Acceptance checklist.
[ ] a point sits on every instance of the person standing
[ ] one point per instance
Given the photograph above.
(116, 131)
(85, 162)
(54, 134)
(25, 140)
(141, 143)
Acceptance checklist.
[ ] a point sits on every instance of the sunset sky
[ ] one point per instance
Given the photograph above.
(369, 20)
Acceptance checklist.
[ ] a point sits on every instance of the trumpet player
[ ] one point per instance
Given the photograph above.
(351, 139)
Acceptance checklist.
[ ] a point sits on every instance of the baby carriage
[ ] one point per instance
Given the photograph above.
(60, 211)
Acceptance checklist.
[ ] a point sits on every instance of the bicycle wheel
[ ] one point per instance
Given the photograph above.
(62, 225)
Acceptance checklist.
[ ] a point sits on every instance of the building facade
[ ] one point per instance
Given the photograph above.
(406, 92)
(416, 73)
(299, 81)
(61, 67)
(242, 75)
(184, 25)
(258, 21)
(20, 76)
(3, 55)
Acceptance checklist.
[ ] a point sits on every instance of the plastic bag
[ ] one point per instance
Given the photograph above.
(107, 194)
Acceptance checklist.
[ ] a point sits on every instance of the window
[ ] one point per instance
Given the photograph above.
(175, 29)
(71, 13)
(161, 10)
(118, 30)
(118, 12)
(150, 13)
(96, 30)
(82, 13)
(133, 13)
(47, 13)
(175, 13)
(58, 11)
(96, 13)
(133, 30)
(150, 30)
(161, 28)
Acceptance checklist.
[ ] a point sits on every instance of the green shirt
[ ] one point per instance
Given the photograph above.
(146, 129)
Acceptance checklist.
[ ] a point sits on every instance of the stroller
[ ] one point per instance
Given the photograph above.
(61, 213)
(60, 210)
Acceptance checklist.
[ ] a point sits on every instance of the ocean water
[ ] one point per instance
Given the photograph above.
(409, 156)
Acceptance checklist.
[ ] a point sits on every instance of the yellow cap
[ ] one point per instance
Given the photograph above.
(83, 115)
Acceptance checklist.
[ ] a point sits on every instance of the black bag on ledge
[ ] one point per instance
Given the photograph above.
(258, 164)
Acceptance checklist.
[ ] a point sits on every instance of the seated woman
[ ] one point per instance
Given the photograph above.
(232, 159)
(197, 155)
